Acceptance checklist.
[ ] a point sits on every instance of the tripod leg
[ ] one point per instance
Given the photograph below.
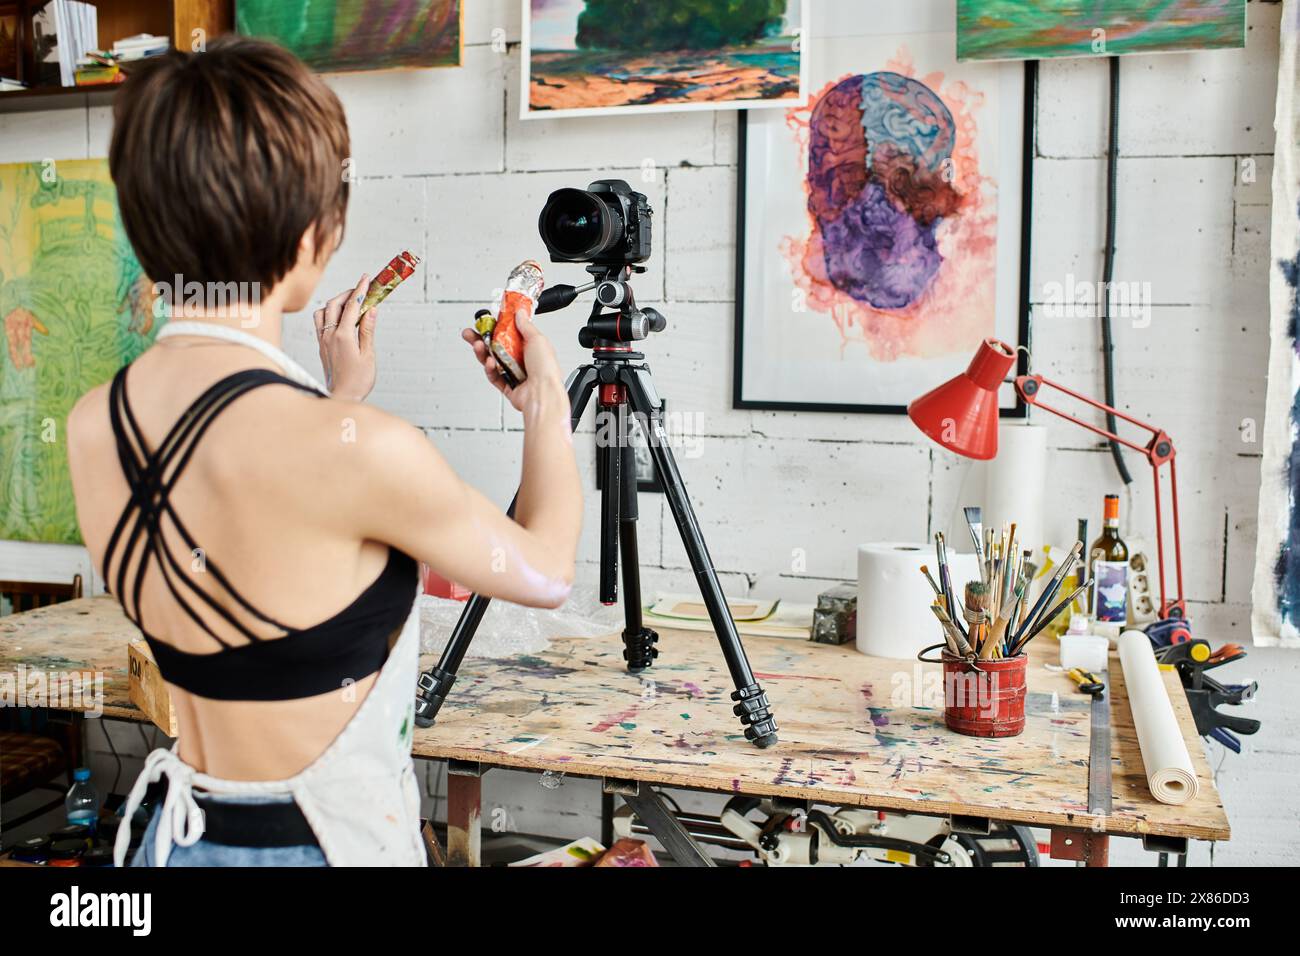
(638, 640)
(433, 685)
(751, 702)
(609, 439)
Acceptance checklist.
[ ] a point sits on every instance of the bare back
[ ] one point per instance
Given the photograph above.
(258, 499)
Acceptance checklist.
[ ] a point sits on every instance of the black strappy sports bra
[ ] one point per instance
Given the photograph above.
(351, 645)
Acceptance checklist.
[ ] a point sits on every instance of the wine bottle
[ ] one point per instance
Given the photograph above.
(1108, 568)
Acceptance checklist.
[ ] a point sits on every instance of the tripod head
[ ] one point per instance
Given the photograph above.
(613, 287)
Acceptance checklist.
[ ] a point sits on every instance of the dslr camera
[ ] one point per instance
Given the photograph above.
(606, 224)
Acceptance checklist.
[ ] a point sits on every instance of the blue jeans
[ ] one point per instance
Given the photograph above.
(206, 853)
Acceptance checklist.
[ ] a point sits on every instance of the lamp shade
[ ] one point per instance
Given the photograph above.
(962, 413)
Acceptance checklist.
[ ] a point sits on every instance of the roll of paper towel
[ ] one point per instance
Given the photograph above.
(1164, 753)
(1015, 483)
(894, 616)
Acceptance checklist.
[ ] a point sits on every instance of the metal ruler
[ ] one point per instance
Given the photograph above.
(1099, 794)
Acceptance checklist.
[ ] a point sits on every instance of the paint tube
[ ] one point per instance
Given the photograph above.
(517, 304)
(401, 268)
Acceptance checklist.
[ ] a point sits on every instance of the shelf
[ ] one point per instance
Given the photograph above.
(119, 19)
(56, 98)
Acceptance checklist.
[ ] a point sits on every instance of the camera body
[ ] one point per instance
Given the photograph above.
(606, 224)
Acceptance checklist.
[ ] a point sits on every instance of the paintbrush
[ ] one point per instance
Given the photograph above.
(963, 648)
(1030, 570)
(1017, 606)
(1049, 617)
(975, 521)
(945, 575)
(1012, 576)
(1049, 592)
(949, 632)
(988, 555)
(938, 591)
(945, 583)
(996, 576)
(997, 634)
(976, 613)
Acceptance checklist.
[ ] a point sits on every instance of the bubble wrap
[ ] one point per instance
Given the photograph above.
(510, 629)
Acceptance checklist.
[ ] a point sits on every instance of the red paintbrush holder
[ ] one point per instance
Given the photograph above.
(984, 698)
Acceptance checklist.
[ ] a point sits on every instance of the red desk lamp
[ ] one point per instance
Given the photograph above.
(962, 416)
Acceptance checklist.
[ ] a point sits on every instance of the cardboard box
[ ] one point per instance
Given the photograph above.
(148, 690)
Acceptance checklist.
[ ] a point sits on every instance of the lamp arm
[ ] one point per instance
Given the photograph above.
(1158, 451)
(1029, 387)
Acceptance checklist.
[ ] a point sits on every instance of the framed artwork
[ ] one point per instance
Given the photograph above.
(75, 308)
(596, 57)
(884, 226)
(1016, 30)
(338, 36)
(1275, 594)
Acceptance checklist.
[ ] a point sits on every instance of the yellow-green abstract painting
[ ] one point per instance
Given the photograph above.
(75, 308)
(351, 35)
(1020, 30)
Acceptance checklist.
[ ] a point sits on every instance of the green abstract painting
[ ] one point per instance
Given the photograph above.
(1016, 30)
(75, 308)
(350, 35)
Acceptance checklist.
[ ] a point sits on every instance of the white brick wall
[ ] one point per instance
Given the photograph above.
(448, 170)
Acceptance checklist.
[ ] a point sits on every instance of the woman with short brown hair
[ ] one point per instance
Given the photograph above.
(264, 534)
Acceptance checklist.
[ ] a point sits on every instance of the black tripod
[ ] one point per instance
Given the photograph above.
(625, 386)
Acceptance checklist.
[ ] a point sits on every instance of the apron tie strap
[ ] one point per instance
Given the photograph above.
(180, 820)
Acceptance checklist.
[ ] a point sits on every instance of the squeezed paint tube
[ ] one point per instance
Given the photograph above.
(517, 304)
(401, 268)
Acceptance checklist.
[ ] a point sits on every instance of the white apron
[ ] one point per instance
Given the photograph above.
(360, 795)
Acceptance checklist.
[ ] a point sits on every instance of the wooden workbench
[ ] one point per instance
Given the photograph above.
(855, 730)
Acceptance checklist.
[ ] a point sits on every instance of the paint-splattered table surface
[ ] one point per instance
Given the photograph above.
(51, 653)
(855, 730)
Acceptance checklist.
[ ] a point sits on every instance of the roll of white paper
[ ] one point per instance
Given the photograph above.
(1015, 483)
(1164, 754)
(894, 616)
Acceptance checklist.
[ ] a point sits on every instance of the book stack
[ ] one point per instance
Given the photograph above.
(759, 618)
(98, 69)
(64, 30)
(140, 46)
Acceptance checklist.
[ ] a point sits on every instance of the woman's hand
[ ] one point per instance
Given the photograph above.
(347, 344)
(544, 380)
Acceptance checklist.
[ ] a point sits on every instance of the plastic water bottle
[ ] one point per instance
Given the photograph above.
(82, 801)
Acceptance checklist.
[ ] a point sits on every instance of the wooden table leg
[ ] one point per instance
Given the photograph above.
(464, 811)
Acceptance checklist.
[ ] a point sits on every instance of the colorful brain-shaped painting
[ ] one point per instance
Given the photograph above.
(879, 161)
(900, 242)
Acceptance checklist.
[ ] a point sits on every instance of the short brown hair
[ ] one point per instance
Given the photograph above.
(223, 159)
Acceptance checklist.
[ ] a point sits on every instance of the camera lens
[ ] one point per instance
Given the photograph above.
(578, 225)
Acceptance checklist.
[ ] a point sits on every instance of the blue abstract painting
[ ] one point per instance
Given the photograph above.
(1275, 617)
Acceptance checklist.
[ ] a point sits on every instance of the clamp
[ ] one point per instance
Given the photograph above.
(1193, 657)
